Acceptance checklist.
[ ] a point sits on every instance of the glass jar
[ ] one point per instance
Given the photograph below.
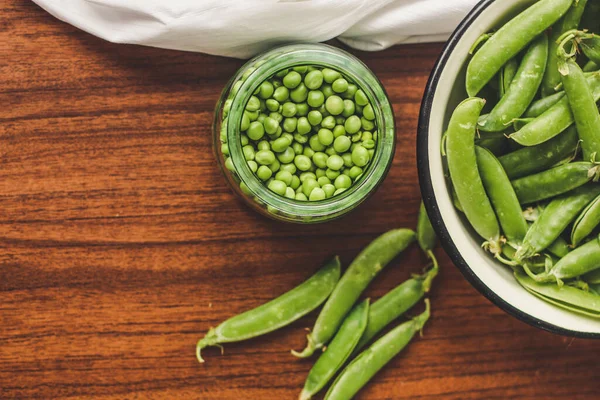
(226, 133)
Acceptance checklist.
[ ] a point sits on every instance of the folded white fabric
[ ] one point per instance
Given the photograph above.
(243, 28)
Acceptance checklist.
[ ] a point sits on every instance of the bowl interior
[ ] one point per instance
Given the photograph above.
(445, 90)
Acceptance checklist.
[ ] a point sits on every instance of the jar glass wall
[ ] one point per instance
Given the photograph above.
(227, 133)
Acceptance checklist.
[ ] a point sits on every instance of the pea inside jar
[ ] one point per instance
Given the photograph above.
(308, 133)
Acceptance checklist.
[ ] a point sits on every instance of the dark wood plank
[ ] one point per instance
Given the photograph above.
(120, 243)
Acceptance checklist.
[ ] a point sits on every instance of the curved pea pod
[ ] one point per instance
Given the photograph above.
(583, 106)
(366, 365)
(554, 120)
(567, 297)
(338, 351)
(593, 277)
(542, 105)
(555, 181)
(509, 40)
(425, 233)
(365, 267)
(559, 247)
(554, 220)
(530, 160)
(570, 21)
(398, 301)
(586, 222)
(277, 313)
(503, 197)
(522, 89)
(462, 163)
(506, 76)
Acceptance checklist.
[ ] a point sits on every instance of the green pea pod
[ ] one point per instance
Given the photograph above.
(394, 304)
(593, 277)
(522, 89)
(567, 297)
(503, 197)
(277, 313)
(586, 222)
(555, 181)
(355, 280)
(589, 43)
(553, 121)
(554, 220)
(590, 66)
(583, 106)
(338, 351)
(506, 76)
(542, 105)
(496, 142)
(530, 160)
(425, 233)
(509, 40)
(369, 362)
(560, 248)
(462, 163)
(569, 22)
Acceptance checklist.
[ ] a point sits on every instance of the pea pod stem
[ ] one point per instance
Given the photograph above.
(277, 313)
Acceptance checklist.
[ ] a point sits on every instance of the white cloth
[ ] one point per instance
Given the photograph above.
(243, 28)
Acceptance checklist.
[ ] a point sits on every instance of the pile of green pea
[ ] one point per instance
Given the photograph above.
(523, 150)
(308, 133)
(346, 325)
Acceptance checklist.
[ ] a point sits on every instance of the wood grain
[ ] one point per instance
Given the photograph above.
(120, 244)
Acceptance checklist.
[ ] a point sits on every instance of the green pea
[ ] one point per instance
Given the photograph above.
(253, 104)
(264, 157)
(248, 152)
(338, 131)
(338, 192)
(227, 107)
(235, 88)
(247, 73)
(299, 94)
(366, 135)
(229, 164)
(327, 91)
(281, 94)
(329, 190)
(308, 152)
(302, 139)
(342, 144)
(289, 110)
(323, 110)
(225, 149)
(301, 69)
(277, 134)
(340, 85)
(308, 186)
(342, 182)
(264, 173)
(261, 118)
(276, 83)
(285, 177)
(253, 166)
(303, 126)
(298, 148)
(252, 115)
(320, 159)
(302, 162)
(366, 124)
(355, 172)
(263, 145)
(256, 131)
(244, 139)
(361, 98)
(290, 124)
(323, 180)
(307, 175)
(350, 92)
(317, 194)
(287, 156)
(274, 166)
(325, 137)
(315, 117)
(331, 174)
(360, 156)
(290, 193)
(301, 197)
(368, 112)
(270, 125)
(330, 75)
(245, 124)
(295, 182)
(292, 80)
(315, 98)
(334, 105)
(302, 109)
(347, 157)
(288, 167)
(280, 145)
(349, 108)
(315, 144)
(276, 116)
(266, 90)
(330, 151)
(328, 122)
(368, 144)
(313, 80)
(278, 187)
(335, 162)
(357, 137)
(352, 125)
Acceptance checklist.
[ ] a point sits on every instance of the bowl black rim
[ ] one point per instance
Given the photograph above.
(428, 193)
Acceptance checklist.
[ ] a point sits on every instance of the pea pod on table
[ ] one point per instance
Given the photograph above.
(509, 40)
(586, 222)
(369, 362)
(462, 163)
(338, 351)
(277, 313)
(425, 233)
(522, 89)
(355, 280)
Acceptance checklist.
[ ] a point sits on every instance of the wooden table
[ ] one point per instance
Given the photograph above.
(120, 243)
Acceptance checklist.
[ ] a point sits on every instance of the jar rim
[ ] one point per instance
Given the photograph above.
(327, 56)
